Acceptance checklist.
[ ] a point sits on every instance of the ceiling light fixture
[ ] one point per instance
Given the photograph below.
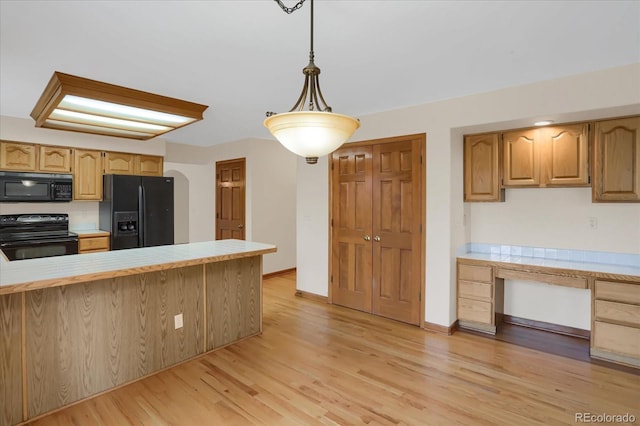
(543, 123)
(318, 131)
(89, 106)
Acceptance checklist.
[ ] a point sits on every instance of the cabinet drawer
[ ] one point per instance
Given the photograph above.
(619, 312)
(617, 338)
(475, 310)
(475, 290)
(618, 292)
(93, 244)
(475, 273)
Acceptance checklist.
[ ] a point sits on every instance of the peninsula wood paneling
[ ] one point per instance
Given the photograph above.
(234, 300)
(89, 337)
(10, 359)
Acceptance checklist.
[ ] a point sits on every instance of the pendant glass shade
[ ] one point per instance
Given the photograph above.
(317, 131)
(311, 134)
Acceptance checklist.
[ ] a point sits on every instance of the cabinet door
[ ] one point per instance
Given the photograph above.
(564, 159)
(149, 165)
(616, 160)
(521, 158)
(18, 156)
(119, 163)
(87, 175)
(482, 168)
(55, 159)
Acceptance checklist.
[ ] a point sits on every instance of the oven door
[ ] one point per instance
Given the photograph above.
(18, 250)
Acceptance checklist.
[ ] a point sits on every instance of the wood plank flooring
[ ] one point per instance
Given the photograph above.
(320, 364)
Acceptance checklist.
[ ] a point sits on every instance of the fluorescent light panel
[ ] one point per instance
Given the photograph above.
(82, 105)
(92, 106)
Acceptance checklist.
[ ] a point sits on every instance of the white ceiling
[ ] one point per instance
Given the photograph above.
(243, 58)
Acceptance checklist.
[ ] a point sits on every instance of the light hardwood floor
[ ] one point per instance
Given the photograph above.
(322, 364)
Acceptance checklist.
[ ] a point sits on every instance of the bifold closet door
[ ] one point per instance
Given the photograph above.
(376, 196)
(351, 231)
(396, 230)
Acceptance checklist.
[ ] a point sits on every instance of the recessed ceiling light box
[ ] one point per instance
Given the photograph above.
(89, 106)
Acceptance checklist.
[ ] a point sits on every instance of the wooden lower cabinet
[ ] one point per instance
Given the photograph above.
(477, 297)
(93, 243)
(83, 339)
(615, 333)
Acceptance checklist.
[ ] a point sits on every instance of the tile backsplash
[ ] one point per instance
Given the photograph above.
(626, 259)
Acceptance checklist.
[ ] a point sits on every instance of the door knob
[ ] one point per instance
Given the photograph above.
(376, 238)
(240, 226)
(367, 238)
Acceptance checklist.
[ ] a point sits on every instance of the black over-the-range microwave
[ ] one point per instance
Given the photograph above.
(36, 187)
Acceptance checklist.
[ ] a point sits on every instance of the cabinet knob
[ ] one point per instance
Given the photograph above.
(367, 238)
(376, 238)
(240, 226)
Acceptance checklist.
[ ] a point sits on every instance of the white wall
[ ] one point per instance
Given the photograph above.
(270, 193)
(600, 94)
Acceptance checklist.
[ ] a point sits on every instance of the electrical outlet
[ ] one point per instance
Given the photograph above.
(177, 320)
(593, 222)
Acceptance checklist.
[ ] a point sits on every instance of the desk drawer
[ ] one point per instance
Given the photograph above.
(475, 273)
(617, 338)
(618, 292)
(475, 310)
(475, 290)
(618, 312)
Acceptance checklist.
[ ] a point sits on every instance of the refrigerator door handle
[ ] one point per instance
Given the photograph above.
(141, 224)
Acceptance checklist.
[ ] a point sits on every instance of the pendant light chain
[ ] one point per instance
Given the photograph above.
(290, 10)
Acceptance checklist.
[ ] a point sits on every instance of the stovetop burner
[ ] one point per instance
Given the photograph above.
(27, 227)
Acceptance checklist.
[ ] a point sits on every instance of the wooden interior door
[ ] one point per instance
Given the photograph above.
(376, 228)
(230, 199)
(397, 230)
(351, 249)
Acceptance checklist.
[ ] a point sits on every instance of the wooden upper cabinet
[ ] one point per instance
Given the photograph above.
(521, 158)
(133, 164)
(55, 159)
(482, 168)
(616, 160)
(119, 163)
(87, 175)
(564, 155)
(18, 156)
(149, 165)
(547, 156)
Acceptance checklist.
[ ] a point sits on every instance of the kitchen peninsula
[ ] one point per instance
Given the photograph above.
(77, 325)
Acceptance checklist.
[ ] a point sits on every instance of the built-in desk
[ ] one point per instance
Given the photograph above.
(615, 297)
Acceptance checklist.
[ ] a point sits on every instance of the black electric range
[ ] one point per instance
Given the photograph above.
(28, 236)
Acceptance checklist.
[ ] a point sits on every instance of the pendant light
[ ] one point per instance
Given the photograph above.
(317, 131)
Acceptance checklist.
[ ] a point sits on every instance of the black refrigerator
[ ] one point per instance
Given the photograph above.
(137, 210)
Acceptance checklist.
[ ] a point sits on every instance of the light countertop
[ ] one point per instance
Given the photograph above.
(592, 267)
(90, 232)
(30, 274)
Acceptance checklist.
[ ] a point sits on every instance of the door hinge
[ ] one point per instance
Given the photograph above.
(331, 222)
(420, 227)
(331, 279)
(421, 159)
(419, 296)
(332, 166)
(589, 179)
